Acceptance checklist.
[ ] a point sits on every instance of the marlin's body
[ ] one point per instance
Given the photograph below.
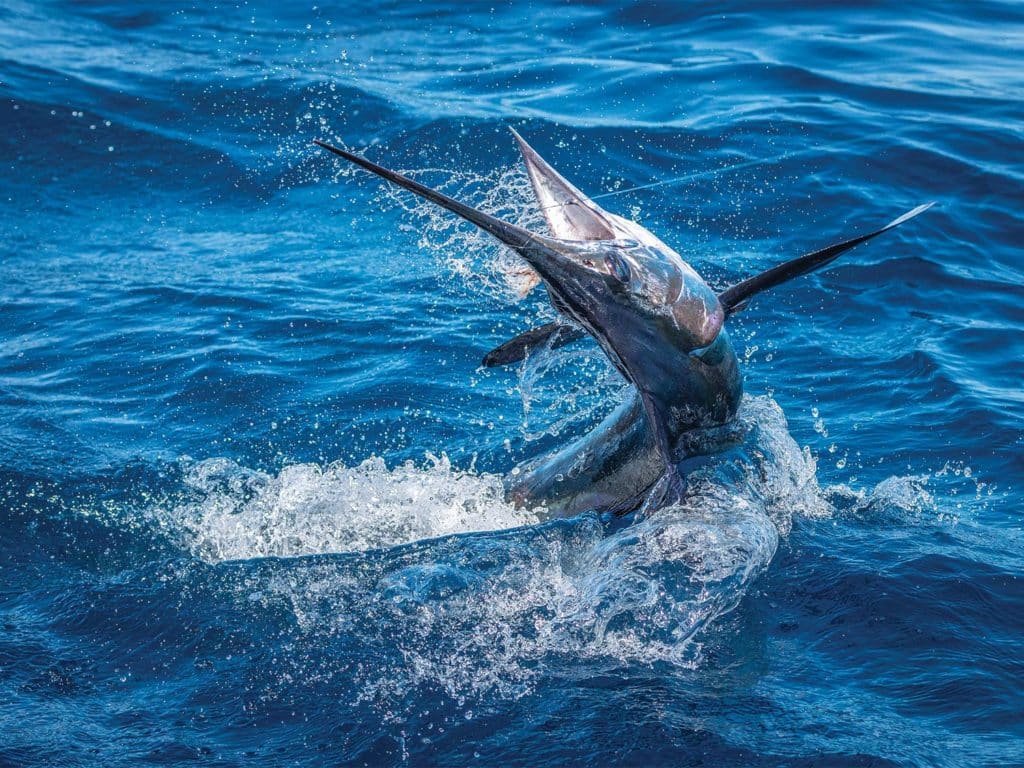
(613, 467)
(659, 324)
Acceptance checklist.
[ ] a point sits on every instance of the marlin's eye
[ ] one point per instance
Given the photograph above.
(617, 267)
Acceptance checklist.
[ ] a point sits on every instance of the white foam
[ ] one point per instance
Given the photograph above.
(307, 509)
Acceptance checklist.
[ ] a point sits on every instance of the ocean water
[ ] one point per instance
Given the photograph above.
(250, 494)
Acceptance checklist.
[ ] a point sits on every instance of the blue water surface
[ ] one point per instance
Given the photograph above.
(250, 469)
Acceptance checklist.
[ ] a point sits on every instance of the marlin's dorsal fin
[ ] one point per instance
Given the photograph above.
(570, 214)
(514, 350)
(735, 298)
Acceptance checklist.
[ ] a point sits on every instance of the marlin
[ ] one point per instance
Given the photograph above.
(658, 322)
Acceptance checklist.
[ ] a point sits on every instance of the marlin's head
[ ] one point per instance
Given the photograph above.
(650, 312)
(653, 315)
(656, 284)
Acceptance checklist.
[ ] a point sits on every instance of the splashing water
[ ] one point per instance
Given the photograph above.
(478, 613)
(307, 509)
(565, 388)
(481, 265)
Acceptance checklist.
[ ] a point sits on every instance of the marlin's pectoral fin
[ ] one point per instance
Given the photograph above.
(735, 298)
(553, 334)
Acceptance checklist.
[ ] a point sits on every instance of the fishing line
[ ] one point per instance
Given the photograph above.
(715, 171)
